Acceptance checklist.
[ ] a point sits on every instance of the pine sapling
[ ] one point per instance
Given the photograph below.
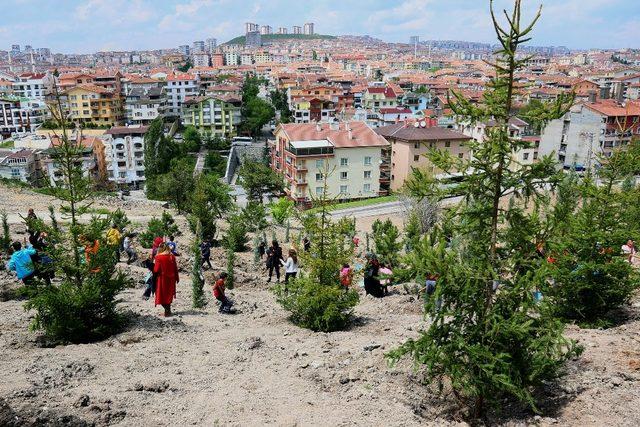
(231, 259)
(197, 277)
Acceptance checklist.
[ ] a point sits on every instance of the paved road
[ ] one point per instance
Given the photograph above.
(200, 162)
(388, 208)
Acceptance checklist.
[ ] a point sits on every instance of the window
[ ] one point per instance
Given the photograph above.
(447, 144)
(319, 190)
(461, 155)
(416, 145)
(15, 173)
(344, 161)
(366, 188)
(319, 164)
(367, 174)
(318, 177)
(416, 158)
(525, 156)
(367, 161)
(344, 175)
(344, 189)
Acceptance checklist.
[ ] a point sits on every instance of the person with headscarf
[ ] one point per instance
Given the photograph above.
(165, 269)
(372, 284)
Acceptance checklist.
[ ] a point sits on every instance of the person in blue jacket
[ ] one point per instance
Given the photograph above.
(22, 263)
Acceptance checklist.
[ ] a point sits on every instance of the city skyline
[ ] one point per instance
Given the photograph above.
(97, 25)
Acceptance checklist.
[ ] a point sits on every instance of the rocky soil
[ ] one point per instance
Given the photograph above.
(255, 368)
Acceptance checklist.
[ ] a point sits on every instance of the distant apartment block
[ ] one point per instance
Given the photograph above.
(179, 88)
(198, 47)
(213, 115)
(265, 30)
(211, 45)
(20, 165)
(20, 115)
(309, 28)
(142, 105)
(297, 30)
(283, 30)
(31, 85)
(124, 155)
(352, 153)
(590, 130)
(89, 103)
(201, 59)
(410, 144)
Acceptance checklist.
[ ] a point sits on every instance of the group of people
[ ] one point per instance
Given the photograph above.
(30, 259)
(275, 260)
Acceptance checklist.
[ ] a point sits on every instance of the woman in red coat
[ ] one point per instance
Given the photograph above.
(166, 272)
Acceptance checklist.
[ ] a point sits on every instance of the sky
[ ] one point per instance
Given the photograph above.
(86, 26)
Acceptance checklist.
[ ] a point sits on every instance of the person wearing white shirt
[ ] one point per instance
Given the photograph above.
(290, 266)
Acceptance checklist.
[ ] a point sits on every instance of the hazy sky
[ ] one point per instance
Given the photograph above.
(90, 25)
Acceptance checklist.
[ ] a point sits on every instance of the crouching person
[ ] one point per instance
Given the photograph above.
(218, 293)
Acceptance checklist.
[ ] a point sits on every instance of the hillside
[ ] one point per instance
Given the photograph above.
(277, 37)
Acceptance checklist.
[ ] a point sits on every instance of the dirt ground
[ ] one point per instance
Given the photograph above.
(256, 368)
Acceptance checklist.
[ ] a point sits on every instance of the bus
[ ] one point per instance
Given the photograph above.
(242, 140)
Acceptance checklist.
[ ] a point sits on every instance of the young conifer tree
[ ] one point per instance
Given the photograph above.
(488, 338)
(83, 305)
(197, 278)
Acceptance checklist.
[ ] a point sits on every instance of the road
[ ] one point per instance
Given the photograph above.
(388, 208)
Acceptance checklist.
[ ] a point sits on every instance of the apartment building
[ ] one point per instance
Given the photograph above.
(410, 142)
(374, 98)
(352, 153)
(518, 129)
(31, 85)
(92, 162)
(179, 88)
(144, 106)
(307, 110)
(214, 115)
(201, 59)
(88, 103)
(20, 115)
(590, 130)
(124, 155)
(20, 165)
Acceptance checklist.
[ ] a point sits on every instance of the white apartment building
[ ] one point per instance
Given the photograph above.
(231, 58)
(20, 115)
(590, 130)
(142, 106)
(178, 88)
(201, 59)
(351, 152)
(20, 165)
(30, 85)
(246, 59)
(124, 155)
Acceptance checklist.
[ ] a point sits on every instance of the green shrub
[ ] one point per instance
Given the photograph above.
(281, 210)
(119, 218)
(385, 237)
(589, 291)
(317, 307)
(5, 241)
(165, 226)
(255, 216)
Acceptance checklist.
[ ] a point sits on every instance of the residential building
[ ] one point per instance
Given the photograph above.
(283, 30)
(590, 130)
(374, 98)
(217, 60)
(249, 27)
(143, 105)
(311, 109)
(198, 47)
(309, 28)
(179, 87)
(411, 143)
(30, 85)
(92, 161)
(184, 50)
(231, 58)
(211, 45)
(266, 30)
(389, 116)
(214, 115)
(246, 58)
(20, 165)
(201, 59)
(20, 115)
(124, 155)
(88, 103)
(351, 153)
(297, 30)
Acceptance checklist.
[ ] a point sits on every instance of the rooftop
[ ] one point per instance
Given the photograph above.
(342, 135)
(410, 133)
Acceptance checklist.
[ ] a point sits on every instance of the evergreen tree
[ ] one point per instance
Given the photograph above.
(83, 305)
(54, 220)
(258, 180)
(197, 277)
(488, 337)
(386, 238)
(6, 236)
(231, 259)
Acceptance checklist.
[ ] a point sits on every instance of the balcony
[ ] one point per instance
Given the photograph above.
(316, 151)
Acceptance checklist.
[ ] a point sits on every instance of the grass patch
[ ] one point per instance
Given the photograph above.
(358, 203)
(7, 144)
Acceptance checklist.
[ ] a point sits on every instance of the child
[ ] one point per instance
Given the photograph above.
(386, 278)
(346, 276)
(205, 251)
(218, 293)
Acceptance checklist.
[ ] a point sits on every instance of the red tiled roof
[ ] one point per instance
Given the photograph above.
(611, 108)
(409, 132)
(395, 111)
(387, 91)
(361, 134)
